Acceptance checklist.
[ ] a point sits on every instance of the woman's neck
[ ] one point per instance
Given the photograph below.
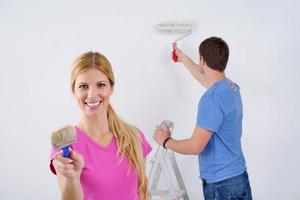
(94, 127)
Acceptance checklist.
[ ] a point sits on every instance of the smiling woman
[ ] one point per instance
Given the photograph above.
(108, 159)
(92, 90)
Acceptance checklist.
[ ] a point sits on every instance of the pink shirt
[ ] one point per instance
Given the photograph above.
(103, 177)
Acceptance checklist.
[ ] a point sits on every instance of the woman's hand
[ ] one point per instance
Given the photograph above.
(69, 167)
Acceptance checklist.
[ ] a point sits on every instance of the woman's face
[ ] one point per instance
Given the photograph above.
(92, 91)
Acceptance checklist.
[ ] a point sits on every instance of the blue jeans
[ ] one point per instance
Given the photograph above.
(234, 188)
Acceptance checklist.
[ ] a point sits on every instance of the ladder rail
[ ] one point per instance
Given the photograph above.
(160, 165)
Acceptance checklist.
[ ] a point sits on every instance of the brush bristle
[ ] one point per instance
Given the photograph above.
(63, 137)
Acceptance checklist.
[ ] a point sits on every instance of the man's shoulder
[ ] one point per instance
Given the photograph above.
(222, 92)
(215, 91)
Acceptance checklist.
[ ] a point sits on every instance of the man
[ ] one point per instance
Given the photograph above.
(217, 136)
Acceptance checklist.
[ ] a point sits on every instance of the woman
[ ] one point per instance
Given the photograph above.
(108, 159)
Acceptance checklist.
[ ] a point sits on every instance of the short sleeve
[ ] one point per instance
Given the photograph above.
(52, 154)
(210, 115)
(145, 145)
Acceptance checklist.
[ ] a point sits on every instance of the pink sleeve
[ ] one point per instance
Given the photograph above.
(145, 145)
(52, 154)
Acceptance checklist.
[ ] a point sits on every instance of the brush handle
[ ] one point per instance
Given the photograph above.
(174, 56)
(66, 152)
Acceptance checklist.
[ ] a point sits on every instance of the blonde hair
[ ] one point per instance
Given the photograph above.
(127, 136)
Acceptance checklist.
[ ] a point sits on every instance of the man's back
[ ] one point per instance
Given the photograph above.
(220, 111)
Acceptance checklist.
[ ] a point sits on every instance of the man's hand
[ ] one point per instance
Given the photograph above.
(181, 57)
(160, 135)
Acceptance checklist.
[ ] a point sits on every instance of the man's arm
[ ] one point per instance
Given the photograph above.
(191, 146)
(194, 69)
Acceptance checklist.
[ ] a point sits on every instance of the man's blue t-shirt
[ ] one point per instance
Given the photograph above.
(220, 111)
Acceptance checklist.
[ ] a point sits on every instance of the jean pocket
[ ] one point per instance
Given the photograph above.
(210, 194)
(238, 193)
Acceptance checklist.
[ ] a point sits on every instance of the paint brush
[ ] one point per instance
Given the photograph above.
(63, 138)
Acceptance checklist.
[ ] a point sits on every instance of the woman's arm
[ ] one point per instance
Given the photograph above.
(68, 172)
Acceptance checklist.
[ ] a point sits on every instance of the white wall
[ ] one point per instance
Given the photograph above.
(40, 39)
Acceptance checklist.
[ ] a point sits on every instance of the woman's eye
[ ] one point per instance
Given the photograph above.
(101, 85)
(83, 86)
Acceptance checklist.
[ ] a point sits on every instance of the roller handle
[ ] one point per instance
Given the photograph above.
(174, 56)
(66, 152)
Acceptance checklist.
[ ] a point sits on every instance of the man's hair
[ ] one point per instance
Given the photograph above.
(215, 53)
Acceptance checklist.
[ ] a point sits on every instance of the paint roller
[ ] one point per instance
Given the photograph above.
(184, 28)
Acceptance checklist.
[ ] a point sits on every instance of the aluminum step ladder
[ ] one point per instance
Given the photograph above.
(164, 163)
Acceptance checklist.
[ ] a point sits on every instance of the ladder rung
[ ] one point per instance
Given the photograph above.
(165, 193)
